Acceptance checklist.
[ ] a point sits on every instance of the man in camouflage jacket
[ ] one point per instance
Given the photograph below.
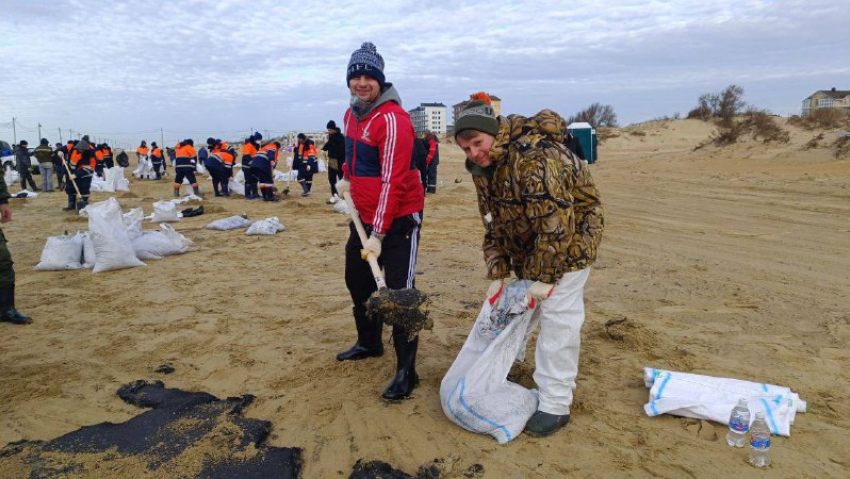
(543, 221)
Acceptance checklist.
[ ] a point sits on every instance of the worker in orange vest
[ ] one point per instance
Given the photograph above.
(142, 150)
(220, 165)
(82, 163)
(184, 166)
(249, 150)
(157, 159)
(262, 167)
(107, 156)
(306, 162)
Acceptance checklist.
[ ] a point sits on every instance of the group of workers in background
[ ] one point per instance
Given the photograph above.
(82, 160)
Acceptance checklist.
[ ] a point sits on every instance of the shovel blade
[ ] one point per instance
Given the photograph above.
(407, 308)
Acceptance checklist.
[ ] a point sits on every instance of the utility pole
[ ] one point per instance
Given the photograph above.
(14, 132)
(71, 135)
(60, 135)
(161, 138)
(39, 132)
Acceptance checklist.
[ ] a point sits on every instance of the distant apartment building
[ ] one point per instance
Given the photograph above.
(839, 99)
(497, 106)
(429, 117)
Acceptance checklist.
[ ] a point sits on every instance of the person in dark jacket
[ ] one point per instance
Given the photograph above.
(8, 313)
(59, 155)
(44, 154)
(24, 165)
(335, 148)
(432, 160)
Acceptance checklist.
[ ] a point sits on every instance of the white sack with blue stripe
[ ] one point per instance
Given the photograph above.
(475, 393)
(710, 398)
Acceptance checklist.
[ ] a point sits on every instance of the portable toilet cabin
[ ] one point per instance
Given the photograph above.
(586, 136)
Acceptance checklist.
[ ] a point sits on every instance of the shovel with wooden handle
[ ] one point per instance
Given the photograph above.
(406, 307)
(71, 178)
(289, 177)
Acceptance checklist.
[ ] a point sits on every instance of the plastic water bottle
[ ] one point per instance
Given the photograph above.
(739, 424)
(759, 442)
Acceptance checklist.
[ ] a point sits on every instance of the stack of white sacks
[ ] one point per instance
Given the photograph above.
(114, 181)
(115, 240)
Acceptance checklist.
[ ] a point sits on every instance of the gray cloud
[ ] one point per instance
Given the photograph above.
(124, 69)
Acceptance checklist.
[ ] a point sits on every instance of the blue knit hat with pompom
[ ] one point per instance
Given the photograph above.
(366, 61)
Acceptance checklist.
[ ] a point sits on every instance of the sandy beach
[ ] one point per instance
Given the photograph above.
(731, 262)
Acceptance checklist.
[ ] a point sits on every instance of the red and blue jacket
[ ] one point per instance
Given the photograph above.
(385, 185)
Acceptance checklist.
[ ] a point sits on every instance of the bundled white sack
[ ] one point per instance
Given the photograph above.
(711, 398)
(98, 184)
(112, 246)
(235, 187)
(134, 220)
(159, 244)
(123, 185)
(12, 177)
(186, 199)
(61, 253)
(200, 168)
(26, 194)
(288, 176)
(239, 177)
(341, 207)
(268, 226)
(475, 393)
(231, 223)
(89, 254)
(105, 208)
(165, 211)
(113, 176)
(323, 167)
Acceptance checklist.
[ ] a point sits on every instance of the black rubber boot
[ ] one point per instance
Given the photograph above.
(177, 192)
(8, 313)
(405, 378)
(542, 424)
(72, 205)
(196, 190)
(83, 203)
(368, 343)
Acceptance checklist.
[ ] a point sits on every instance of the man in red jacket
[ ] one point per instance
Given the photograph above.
(389, 196)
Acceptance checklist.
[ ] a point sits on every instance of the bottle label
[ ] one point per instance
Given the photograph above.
(738, 425)
(760, 443)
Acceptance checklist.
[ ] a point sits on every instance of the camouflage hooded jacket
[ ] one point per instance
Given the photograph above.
(542, 212)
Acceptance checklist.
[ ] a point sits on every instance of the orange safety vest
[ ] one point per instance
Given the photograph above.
(99, 155)
(270, 147)
(157, 152)
(186, 151)
(310, 151)
(249, 149)
(143, 151)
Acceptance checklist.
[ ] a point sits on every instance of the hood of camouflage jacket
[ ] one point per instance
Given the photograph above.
(522, 132)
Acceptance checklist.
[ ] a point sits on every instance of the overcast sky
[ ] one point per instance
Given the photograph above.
(123, 70)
